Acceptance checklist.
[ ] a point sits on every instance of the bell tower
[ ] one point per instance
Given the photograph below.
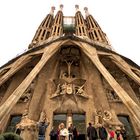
(44, 30)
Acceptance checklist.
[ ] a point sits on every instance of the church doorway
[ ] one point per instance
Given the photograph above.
(77, 120)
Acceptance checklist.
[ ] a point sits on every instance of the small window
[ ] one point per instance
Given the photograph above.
(14, 120)
(39, 32)
(43, 33)
(91, 21)
(95, 33)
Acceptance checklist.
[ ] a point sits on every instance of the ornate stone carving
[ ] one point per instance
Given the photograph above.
(26, 122)
(102, 117)
(107, 116)
(28, 93)
(28, 128)
(72, 86)
(43, 117)
(111, 95)
(98, 117)
(25, 97)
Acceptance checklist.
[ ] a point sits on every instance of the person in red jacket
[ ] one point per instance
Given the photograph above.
(111, 133)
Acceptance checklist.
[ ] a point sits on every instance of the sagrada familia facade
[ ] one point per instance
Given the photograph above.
(69, 74)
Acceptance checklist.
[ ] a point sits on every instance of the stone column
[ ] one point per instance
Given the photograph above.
(36, 103)
(130, 104)
(69, 119)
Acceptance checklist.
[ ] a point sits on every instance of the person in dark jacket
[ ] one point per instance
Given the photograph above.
(53, 134)
(75, 133)
(102, 133)
(123, 133)
(70, 129)
(42, 129)
(91, 132)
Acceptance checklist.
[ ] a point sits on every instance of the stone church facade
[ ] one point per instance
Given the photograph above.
(69, 74)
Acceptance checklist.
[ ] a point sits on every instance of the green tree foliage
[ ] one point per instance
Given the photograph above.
(10, 136)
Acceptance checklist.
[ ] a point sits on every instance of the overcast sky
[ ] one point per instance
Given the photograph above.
(119, 19)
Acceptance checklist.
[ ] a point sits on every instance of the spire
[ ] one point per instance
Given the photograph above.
(57, 27)
(86, 11)
(94, 30)
(80, 23)
(43, 31)
(77, 7)
(52, 10)
(61, 7)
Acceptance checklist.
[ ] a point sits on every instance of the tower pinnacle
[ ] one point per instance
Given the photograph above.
(61, 7)
(77, 7)
(86, 11)
(52, 10)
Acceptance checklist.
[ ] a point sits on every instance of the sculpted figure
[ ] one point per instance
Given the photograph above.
(63, 88)
(98, 117)
(107, 115)
(43, 116)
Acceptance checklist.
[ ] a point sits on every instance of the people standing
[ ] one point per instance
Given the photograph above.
(63, 132)
(123, 133)
(53, 134)
(111, 133)
(58, 133)
(42, 129)
(75, 133)
(102, 133)
(70, 130)
(118, 133)
(91, 132)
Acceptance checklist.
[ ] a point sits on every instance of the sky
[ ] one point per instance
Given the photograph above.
(119, 19)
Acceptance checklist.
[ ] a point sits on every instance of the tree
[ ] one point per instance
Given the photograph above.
(10, 136)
